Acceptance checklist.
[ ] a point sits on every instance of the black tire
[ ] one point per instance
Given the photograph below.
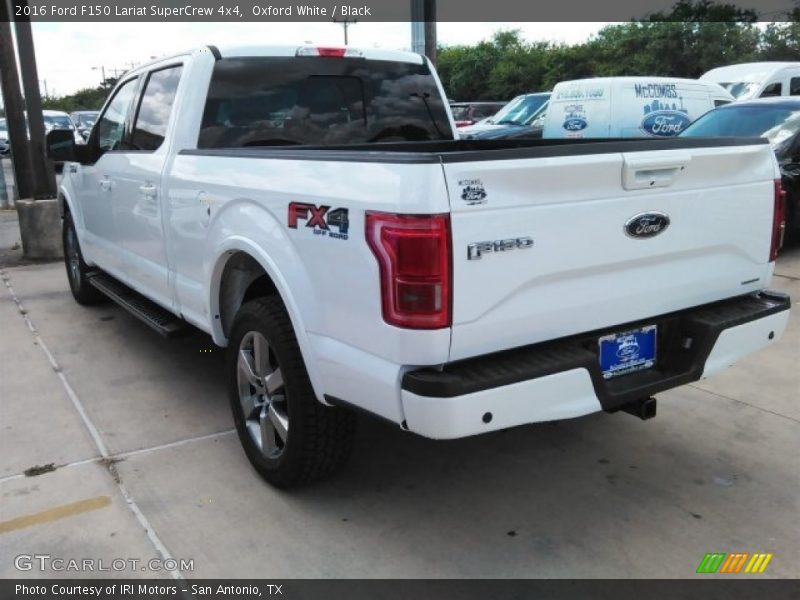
(77, 269)
(320, 438)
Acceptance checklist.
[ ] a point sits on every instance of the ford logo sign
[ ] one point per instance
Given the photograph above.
(575, 124)
(646, 225)
(665, 123)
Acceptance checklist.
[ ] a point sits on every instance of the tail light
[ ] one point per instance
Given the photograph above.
(778, 221)
(414, 256)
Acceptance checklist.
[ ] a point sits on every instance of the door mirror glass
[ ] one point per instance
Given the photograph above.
(60, 144)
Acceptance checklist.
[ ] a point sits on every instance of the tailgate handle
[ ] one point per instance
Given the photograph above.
(642, 173)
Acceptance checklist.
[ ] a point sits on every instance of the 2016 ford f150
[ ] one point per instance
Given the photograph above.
(312, 210)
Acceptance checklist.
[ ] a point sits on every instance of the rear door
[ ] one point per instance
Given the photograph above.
(138, 191)
(558, 260)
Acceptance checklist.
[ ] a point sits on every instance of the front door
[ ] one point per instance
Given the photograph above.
(95, 182)
(138, 193)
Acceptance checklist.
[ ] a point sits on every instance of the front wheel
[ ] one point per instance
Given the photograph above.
(77, 269)
(288, 435)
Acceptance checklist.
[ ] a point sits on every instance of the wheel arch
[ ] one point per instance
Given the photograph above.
(243, 271)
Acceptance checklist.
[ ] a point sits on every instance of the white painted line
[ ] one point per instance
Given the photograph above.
(93, 432)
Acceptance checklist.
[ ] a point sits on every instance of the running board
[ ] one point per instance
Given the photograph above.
(158, 319)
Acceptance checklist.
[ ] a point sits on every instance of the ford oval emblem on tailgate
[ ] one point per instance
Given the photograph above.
(646, 225)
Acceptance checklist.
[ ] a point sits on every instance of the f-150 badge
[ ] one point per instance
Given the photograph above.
(320, 219)
(472, 191)
(476, 250)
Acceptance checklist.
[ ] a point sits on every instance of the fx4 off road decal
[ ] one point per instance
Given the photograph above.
(320, 219)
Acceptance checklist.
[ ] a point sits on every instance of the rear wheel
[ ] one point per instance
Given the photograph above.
(77, 269)
(288, 435)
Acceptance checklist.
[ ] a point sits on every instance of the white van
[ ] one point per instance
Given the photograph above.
(629, 106)
(757, 80)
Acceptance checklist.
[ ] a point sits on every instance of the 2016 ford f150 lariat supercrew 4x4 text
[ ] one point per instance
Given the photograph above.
(314, 212)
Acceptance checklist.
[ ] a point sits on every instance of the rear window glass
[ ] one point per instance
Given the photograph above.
(273, 101)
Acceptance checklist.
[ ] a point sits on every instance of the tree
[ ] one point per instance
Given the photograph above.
(85, 99)
(688, 40)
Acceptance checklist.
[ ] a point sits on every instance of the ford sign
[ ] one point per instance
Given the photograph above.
(575, 124)
(665, 123)
(646, 225)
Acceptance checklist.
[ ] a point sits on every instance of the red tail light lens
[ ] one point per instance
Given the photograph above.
(332, 52)
(778, 221)
(413, 254)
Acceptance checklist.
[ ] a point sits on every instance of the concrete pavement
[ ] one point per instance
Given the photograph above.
(144, 423)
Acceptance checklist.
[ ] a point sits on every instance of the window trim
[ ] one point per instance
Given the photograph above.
(141, 92)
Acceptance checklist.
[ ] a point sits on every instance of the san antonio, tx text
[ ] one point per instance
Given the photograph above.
(141, 589)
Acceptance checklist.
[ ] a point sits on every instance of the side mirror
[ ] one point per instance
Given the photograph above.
(60, 144)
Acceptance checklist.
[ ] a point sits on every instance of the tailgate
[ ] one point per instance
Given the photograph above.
(602, 252)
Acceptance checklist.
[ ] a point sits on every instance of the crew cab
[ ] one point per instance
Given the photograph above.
(312, 210)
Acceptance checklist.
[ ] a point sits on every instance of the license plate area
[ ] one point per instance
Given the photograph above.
(627, 351)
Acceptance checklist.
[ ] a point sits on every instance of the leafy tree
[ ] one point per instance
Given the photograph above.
(686, 41)
(85, 99)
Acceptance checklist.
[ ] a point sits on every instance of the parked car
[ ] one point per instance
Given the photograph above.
(777, 120)
(56, 119)
(522, 117)
(629, 106)
(452, 287)
(469, 113)
(757, 80)
(5, 146)
(84, 121)
(52, 120)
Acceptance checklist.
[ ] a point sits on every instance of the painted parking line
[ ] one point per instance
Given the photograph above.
(54, 514)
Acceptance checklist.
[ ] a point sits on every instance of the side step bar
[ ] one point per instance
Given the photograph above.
(160, 320)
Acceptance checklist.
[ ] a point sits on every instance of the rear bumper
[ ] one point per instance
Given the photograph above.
(562, 379)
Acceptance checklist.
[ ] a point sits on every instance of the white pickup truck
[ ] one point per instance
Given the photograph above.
(312, 210)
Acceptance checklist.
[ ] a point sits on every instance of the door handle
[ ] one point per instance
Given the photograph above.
(105, 184)
(148, 190)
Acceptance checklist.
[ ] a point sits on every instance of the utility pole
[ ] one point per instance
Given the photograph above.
(44, 177)
(102, 74)
(423, 28)
(345, 24)
(39, 220)
(430, 30)
(12, 98)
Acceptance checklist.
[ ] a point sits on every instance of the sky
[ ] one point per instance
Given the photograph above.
(69, 55)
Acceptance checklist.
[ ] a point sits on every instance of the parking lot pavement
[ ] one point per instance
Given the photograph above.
(601, 496)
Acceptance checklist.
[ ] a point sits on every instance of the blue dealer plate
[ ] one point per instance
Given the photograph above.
(622, 353)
